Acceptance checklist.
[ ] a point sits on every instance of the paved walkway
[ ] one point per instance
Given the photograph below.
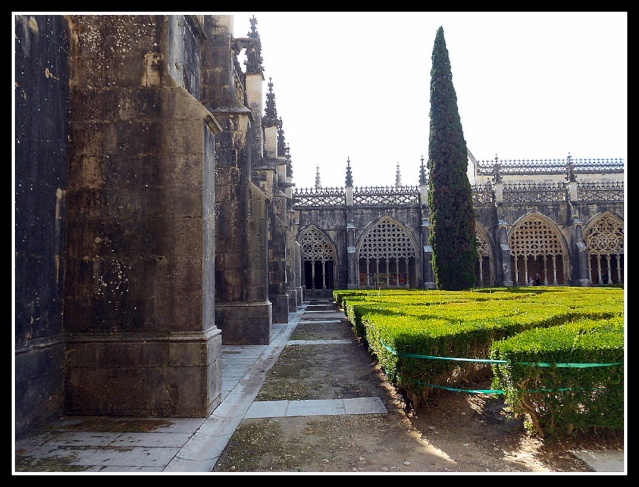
(180, 445)
(110, 445)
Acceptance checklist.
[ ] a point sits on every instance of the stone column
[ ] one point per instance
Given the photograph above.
(351, 253)
(581, 251)
(141, 338)
(504, 254)
(427, 256)
(242, 309)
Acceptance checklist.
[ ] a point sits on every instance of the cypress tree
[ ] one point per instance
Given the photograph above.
(450, 197)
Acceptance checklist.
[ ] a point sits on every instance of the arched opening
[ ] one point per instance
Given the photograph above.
(386, 257)
(318, 274)
(318, 259)
(604, 240)
(537, 253)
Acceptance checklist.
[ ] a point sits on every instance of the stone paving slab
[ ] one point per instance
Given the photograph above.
(602, 460)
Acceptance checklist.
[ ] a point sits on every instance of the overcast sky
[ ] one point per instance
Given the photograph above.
(530, 85)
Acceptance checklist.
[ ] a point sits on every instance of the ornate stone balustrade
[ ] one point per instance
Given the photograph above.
(530, 193)
(386, 195)
(601, 191)
(307, 197)
(483, 194)
(550, 166)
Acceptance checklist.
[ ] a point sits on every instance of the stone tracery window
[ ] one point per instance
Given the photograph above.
(386, 256)
(535, 246)
(604, 239)
(318, 255)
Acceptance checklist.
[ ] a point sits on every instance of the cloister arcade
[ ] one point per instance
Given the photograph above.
(387, 254)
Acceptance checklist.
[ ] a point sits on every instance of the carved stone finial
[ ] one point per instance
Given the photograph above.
(270, 113)
(254, 51)
(422, 173)
(570, 170)
(289, 163)
(281, 140)
(349, 175)
(497, 177)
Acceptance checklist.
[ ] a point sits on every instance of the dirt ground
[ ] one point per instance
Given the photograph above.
(457, 432)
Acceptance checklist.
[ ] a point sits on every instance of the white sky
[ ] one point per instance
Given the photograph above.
(530, 85)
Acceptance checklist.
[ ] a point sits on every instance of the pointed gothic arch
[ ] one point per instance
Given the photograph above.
(604, 239)
(537, 247)
(484, 270)
(386, 255)
(318, 258)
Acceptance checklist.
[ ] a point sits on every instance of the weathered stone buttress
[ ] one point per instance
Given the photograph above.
(140, 330)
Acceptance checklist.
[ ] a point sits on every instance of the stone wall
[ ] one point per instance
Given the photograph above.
(41, 153)
(137, 215)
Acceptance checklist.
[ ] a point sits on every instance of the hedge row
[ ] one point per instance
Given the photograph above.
(428, 341)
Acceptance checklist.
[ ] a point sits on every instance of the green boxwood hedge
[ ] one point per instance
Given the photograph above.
(428, 341)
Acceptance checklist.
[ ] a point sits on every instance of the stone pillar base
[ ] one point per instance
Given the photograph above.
(280, 308)
(245, 323)
(292, 300)
(144, 375)
(38, 367)
(583, 282)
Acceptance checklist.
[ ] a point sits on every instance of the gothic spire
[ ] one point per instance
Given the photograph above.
(349, 175)
(570, 170)
(289, 164)
(318, 184)
(254, 53)
(498, 178)
(398, 177)
(281, 140)
(270, 115)
(422, 173)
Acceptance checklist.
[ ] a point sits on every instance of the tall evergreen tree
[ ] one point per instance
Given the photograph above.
(450, 196)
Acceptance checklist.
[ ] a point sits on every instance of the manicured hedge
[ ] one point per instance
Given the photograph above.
(429, 341)
(564, 378)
